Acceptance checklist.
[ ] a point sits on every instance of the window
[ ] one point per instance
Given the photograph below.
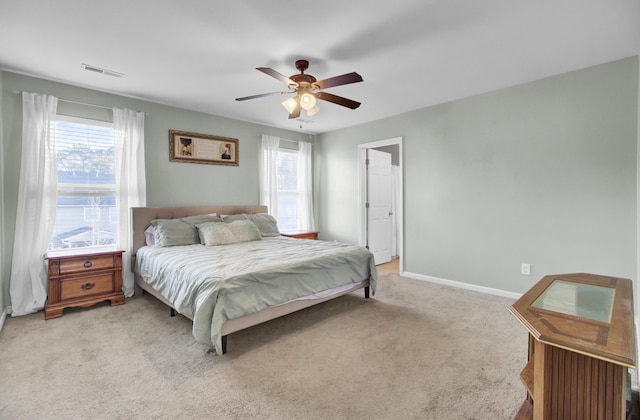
(85, 216)
(286, 184)
(288, 194)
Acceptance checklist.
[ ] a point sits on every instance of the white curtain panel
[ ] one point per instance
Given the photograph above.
(36, 211)
(131, 185)
(269, 173)
(305, 187)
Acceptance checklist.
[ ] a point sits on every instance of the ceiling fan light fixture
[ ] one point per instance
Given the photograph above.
(307, 90)
(290, 104)
(307, 101)
(313, 110)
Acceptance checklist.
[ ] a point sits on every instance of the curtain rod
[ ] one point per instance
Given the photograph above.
(80, 103)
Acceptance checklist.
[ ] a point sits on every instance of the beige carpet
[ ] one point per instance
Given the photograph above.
(414, 351)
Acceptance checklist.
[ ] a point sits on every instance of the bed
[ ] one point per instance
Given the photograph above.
(233, 286)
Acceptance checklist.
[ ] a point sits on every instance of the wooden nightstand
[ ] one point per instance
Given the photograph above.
(83, 278)
(301, 234)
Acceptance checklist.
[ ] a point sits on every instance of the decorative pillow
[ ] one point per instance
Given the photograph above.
(180, 231)
(266, 223)
(233, 217)
(201, 218)
(173, 232)
(245, 231)
(150, 235)
(213, 233)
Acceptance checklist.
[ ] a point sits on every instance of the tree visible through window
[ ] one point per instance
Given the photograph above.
(86, 184)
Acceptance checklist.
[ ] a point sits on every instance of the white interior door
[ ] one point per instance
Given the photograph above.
(379, 205)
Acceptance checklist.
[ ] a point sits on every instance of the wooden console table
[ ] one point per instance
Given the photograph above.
(581, 344)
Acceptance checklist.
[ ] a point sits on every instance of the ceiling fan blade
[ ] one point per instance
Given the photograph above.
(296, 111)
(344, 79)
(271, 72)
(262, 95)
(337, 100)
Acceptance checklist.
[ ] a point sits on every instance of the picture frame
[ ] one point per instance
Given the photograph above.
(190, 147)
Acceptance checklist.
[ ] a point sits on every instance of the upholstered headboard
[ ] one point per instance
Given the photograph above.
(141, 217)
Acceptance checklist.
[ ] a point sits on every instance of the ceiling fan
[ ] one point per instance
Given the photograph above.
(308, 89)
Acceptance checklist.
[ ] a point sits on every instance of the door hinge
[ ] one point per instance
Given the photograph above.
(366, 162)
(366, 206)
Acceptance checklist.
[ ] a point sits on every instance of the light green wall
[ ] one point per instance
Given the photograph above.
(542, 173)
(168, 183)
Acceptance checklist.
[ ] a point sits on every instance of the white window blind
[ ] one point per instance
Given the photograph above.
(288, 194)
(86, 184)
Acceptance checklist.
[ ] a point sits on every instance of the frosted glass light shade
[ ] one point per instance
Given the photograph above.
(307, 101)
(290, 104)
(313, 110)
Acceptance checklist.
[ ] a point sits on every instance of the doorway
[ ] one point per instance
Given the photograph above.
(392, 146)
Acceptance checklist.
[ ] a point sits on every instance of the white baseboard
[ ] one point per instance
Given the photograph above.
(460, 285)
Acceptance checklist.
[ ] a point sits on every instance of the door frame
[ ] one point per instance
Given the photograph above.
(362, 193)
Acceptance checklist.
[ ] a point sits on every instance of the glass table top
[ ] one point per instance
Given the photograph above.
(578, 299)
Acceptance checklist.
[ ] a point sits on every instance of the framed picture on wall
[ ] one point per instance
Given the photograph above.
(202, 148)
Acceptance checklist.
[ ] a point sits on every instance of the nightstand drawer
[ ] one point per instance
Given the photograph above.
(85, 286)
(91, 263)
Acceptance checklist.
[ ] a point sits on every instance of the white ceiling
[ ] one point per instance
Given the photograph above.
(201, 55)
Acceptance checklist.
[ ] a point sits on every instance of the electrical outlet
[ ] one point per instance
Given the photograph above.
(526, 269)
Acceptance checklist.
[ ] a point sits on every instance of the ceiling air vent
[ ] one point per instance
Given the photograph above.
(102, 71)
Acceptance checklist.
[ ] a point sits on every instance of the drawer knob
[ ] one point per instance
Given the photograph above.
(87, 264)
(88, 286)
